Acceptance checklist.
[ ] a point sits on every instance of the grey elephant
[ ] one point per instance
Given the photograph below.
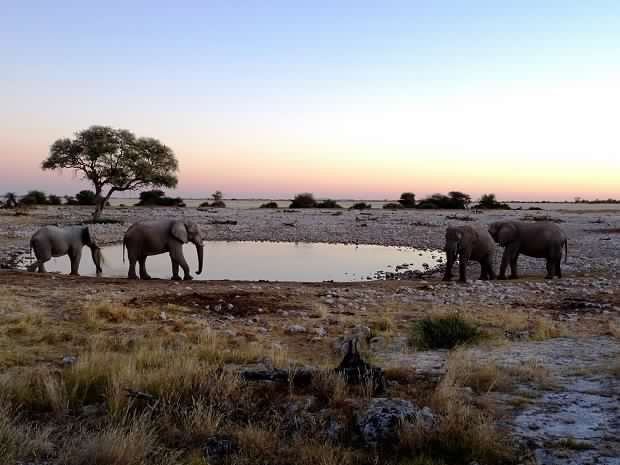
(538, 240)
(52, 241)
(469, 243)
(156, 237)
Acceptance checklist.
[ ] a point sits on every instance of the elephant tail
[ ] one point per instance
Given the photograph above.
(123, 250)
(565, 250)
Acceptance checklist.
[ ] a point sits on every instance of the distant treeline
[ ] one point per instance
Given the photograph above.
(454, 200)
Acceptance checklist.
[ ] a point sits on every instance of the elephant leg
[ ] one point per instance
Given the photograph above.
(175, 270)
(132, 269)
(176, 255)
(463, 269)
(39, 265)
(550, 268)
(489, 266)
(448, 273)
(558, 267)
(143, 273)
(504, 265)
(75, 256)
(484, 272)
(514, 274)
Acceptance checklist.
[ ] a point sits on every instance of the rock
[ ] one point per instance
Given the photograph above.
(218, 447)
(384, 418)
(69, 360)
(163, 316)
(321, 332)
(295, 329)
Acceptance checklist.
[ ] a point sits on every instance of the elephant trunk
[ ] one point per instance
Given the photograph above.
(200, 252)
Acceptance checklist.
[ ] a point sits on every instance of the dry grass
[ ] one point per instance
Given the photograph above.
(614, 328)
(463, 433)
(463, 370)
(543, 329)
(126, 444)
(19, 441)
(329, 387)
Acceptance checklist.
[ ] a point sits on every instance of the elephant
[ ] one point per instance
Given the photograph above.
(469, 243)
(52, 241)
(156, 237)
(538, 240)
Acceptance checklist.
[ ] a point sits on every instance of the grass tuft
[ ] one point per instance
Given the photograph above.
(443, 332)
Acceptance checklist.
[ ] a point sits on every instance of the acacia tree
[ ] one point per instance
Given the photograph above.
(114, 159)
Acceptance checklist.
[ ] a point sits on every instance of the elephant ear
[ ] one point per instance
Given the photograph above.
(179, 231)
(506, 233)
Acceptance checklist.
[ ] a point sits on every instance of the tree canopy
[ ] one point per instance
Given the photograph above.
(116, 159)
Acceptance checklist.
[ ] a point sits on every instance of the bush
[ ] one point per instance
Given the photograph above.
(85, 197)
(158, 199)
(214, 204)
(444, 332)
(54, 200)
(489, 202)
(269, 205)
(34, 198)
(453, 201)
(11, 200)
(328, 203)
(70, 200)
(304, 200)
(361, 206)
(407, 200)
(392, 206)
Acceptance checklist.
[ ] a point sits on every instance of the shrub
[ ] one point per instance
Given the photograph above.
(269, 205)
(304, 200)
(361, 206)
(328, 203)
(86, 197)
(11, 200)
(218, 204)
(157, 198)
(34, 198)
(443, 332)
(407, 200)
(454, 201)
(489, 202)
(392, 206)
(54, 200)
(217, 196)
(70, 200)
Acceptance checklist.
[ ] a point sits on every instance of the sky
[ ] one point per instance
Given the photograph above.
(347, 99)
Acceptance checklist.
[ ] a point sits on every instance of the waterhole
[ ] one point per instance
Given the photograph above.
(272, 261)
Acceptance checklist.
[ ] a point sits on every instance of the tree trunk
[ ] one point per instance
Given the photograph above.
(99, 205)
(100, 202)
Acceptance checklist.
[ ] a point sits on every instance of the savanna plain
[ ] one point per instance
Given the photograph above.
(107, 371)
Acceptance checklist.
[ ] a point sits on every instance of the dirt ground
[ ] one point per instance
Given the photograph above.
(568, 329)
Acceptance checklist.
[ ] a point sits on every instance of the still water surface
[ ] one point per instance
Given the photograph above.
(271, 261)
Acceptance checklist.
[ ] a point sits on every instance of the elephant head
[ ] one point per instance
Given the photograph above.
(188, 231)
(453, 242)
(503, 232)
(88, 238)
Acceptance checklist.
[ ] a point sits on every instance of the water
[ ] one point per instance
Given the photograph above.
(271, 261)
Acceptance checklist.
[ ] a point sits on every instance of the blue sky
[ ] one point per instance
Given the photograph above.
(282, 87)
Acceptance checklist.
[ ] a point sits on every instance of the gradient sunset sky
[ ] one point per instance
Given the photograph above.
(343, 99)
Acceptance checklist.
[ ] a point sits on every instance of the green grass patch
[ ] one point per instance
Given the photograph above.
(444, 332)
